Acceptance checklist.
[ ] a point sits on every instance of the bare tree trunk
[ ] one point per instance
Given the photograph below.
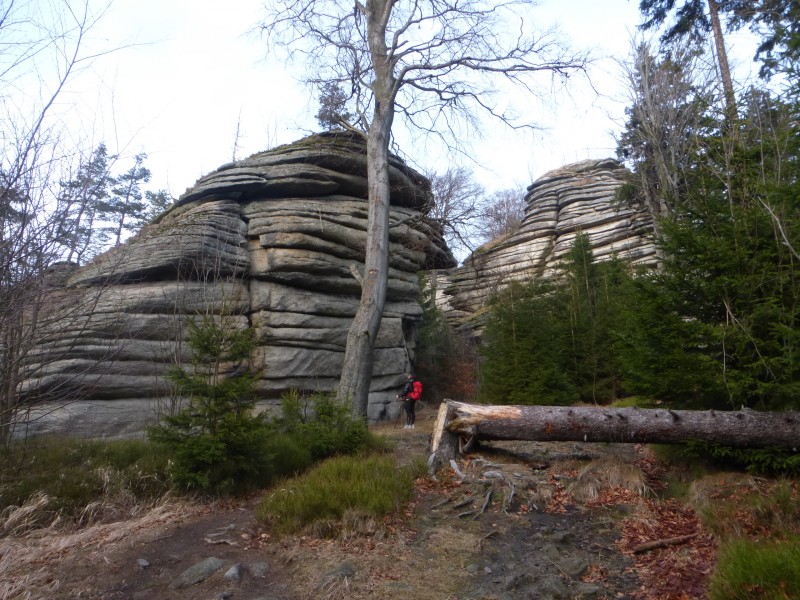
(359, 354)
(722, 60)
(744, 428)
(380, 47)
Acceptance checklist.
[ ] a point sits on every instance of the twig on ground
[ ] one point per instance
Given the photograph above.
(440, 504)
(510, 497)
(655, 544)
(487, 501)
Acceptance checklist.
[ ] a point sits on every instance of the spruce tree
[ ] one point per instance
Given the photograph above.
(219, 445)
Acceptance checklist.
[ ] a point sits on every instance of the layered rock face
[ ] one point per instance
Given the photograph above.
(268, 242)
(578, 198)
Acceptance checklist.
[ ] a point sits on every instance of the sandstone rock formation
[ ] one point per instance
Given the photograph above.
(577, 198)
(266, 242)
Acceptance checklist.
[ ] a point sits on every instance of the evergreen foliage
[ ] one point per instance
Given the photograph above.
(723, 311)
(82, 196)
(551, 342)
(99, 207)
(762, 461)
(323, 426)
(219, 445)
(333, 114)
(525, 357)
(444, 360)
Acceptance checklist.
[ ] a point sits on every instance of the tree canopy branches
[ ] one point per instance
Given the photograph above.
(433, 62)
(442, 56)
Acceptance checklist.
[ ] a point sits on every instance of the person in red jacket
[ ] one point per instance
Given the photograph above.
(412, 391)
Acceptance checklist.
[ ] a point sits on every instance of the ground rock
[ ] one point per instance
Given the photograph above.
(549, 588)
(233, 574)
(197, 573)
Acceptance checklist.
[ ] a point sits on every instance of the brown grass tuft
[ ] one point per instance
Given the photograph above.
(16, 519)
(605, 474)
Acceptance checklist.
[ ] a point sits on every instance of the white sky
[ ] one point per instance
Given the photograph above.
(180, 96)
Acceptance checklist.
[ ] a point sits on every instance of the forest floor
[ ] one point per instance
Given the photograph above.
(518, 521)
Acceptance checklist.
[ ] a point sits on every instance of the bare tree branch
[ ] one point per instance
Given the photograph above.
(434, 63)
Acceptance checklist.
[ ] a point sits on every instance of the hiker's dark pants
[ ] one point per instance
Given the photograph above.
(410, 415)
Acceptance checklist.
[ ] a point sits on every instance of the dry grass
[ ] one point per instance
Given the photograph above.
(733, 505)
(26, 561)
(711, 488)
(605, 474)
(15, 520)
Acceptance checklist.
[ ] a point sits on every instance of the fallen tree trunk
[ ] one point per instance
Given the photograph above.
(459, 425)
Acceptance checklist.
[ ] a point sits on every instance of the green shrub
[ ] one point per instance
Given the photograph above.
(74, 473)
(552, 342)
(631, 401)
(764, 461)
(234, 457)
(288, 455)
(748, 570)
(218, 445)
(371, 485)
(324, 426)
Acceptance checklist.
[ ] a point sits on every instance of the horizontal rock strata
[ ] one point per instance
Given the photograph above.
(269, 242)
(577, 198)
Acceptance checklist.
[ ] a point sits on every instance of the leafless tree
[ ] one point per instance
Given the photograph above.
(456, 205)
(469, 215)
(668, 99)
(501, 213)
(42, 48)
(431, 62)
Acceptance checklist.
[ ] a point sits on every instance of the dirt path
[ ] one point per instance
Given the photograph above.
(449, 544)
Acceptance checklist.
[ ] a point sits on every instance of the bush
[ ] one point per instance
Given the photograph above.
(371, 485)
(233, 457)
(749, 570)
(218, 445)
(74, 473)
(325, 427)
(288, 455)
(763, 461)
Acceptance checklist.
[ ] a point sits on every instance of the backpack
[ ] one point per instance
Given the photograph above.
(416, 391)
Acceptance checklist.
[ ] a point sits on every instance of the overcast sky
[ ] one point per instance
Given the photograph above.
(198, 73)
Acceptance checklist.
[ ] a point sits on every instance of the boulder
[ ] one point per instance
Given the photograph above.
(578, 198)
(268, 242)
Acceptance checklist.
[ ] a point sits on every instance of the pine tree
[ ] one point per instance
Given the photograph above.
(125, 207)
(333, 113)
(81, 198)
